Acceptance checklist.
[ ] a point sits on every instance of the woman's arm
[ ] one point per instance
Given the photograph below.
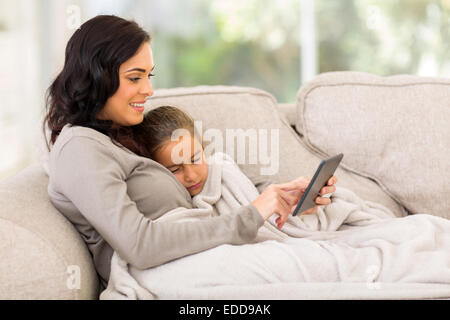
(88, 174)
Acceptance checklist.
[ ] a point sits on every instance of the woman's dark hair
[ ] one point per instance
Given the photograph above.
(90, 74)
(156, 129)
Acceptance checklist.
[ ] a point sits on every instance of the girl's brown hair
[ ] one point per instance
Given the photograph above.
(156, 129)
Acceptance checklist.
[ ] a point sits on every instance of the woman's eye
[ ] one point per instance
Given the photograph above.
(197, 160)
(175, 170)
(137, 79)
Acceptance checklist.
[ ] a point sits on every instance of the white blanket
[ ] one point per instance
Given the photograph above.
(350, 249)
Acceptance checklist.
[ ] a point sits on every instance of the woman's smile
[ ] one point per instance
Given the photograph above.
(138, 105)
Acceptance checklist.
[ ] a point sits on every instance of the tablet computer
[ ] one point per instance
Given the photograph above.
(323, 173)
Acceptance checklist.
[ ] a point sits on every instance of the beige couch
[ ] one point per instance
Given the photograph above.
(393, 131)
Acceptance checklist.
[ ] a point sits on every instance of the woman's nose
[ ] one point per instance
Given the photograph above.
(147, 88)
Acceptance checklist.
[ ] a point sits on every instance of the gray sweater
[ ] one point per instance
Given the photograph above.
(112, 196)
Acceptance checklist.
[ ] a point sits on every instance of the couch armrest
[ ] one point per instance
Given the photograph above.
(42, 255)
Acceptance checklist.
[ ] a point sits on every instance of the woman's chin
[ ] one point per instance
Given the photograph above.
(136, 119)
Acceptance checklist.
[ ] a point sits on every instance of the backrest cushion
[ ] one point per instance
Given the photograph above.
(394, 130)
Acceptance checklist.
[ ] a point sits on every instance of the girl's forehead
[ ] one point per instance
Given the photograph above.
(180, 151)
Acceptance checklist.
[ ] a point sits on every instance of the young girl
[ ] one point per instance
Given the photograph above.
(185, 159)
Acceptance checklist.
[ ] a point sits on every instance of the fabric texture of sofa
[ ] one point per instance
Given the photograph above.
(393, 132)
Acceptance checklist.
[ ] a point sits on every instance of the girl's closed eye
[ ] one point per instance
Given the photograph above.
(175, 170)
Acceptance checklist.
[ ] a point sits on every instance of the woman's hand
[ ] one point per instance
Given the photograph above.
(303, 183)
(283, 198)
(276, 198)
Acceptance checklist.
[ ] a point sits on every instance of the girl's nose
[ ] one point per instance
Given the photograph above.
(189, 173)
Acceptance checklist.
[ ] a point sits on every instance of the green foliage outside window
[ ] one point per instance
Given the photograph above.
(257, 43)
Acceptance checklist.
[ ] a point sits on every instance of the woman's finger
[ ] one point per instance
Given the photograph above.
(332, 180)
(323, 201)
(287, 185)
(327, 190)
(311, 210)
(289, 197)
(284, 208)
(299, 183)
(283, 211)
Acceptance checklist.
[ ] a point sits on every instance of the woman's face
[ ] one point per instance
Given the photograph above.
(126, 106)
(190, 167)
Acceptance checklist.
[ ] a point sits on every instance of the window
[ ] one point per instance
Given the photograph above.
(271, 45)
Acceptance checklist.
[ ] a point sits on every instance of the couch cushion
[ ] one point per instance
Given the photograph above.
(227, 108)
(394, 130)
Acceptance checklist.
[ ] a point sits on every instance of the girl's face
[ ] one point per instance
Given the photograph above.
(126, 106)
(189, 168)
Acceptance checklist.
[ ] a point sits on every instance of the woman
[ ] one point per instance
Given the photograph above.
(110, 194)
